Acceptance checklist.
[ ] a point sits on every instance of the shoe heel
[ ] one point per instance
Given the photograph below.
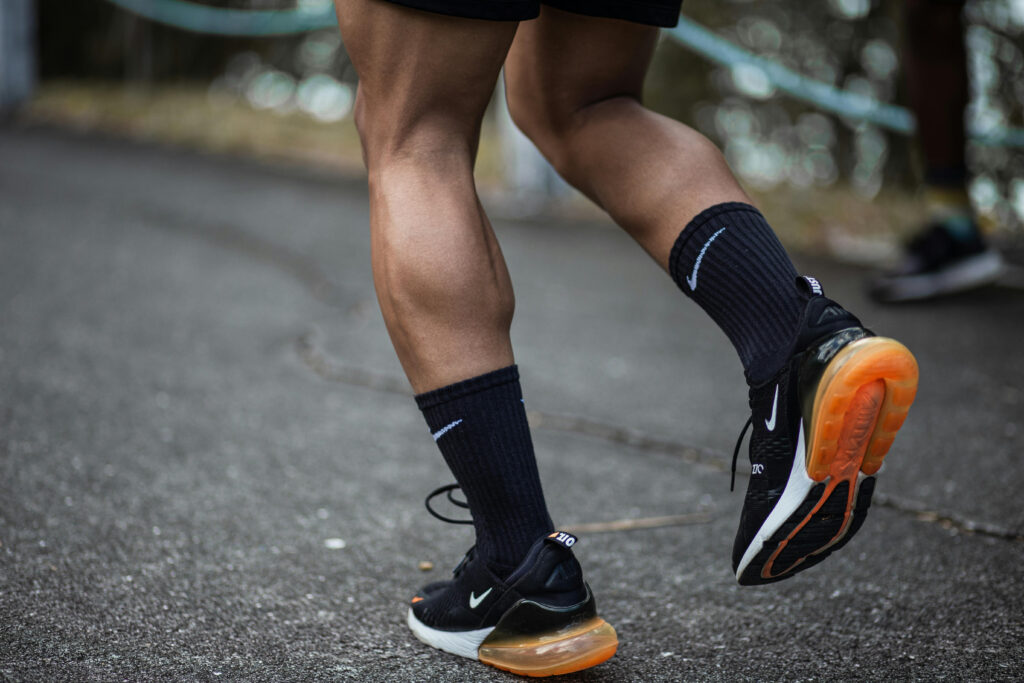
(851, 386)
(536, 640)
(900, 391)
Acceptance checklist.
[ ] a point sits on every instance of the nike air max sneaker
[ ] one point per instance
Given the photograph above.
(821, 428)
(540, 621)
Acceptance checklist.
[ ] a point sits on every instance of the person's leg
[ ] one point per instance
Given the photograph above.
(574, 87)
(442, 284)
(424, 82)
(949, 253)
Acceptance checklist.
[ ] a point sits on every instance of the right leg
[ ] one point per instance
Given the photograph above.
(424, 82)
(444, 291)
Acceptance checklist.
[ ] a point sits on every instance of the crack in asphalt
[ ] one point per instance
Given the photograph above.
(225, 235)
(312, 354)
(306, 271)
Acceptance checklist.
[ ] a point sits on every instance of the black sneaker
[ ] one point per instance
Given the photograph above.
(540, 621)
(935, 263)
(822, 426)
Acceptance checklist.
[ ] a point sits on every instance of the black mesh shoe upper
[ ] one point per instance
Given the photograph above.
(778, 406)
(476, 598)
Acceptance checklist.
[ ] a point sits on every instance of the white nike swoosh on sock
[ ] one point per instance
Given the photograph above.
(444, 430)
(692, 278)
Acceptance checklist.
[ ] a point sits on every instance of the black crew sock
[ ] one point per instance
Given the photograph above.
(480, 426)
(729, 261)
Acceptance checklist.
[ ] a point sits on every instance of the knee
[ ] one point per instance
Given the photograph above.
(433, 138)
(527, 112)
(554, 122)
(546, 122)
(437, 150)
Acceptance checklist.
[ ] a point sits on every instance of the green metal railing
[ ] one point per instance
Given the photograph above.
(234, 22)
(192, 16)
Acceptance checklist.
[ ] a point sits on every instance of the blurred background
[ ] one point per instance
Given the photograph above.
(845, 185)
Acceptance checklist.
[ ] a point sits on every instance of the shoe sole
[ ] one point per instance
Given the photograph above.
(551, 653)
(860, 404)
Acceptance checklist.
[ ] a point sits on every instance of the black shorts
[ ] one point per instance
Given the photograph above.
(651, 12)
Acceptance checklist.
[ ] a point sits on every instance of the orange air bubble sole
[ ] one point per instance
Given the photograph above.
(861, 402)
(858, 425)
(864, 362)
(561, 652)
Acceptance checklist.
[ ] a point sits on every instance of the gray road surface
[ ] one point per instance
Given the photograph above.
(198, 398)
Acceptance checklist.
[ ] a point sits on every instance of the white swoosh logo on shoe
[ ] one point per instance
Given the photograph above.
(444, 430)
(474, 601)
(770, 424)
(692, 278)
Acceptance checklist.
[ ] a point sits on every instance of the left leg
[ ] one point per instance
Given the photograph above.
(826, 395)
(574, 87)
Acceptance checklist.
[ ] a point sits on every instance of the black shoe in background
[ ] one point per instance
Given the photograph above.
(936, 262)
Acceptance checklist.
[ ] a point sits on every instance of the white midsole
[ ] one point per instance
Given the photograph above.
(462, 643)
(792, 496)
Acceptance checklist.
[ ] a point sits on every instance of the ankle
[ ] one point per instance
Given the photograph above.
(481, 428)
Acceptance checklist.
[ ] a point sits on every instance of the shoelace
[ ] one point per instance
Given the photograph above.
(736, 451)
(447, 489)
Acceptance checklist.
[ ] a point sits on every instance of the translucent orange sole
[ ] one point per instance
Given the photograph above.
(861, 402)
(584, 645)
(853, 381)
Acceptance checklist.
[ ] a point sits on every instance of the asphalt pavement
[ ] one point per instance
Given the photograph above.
(211, 469)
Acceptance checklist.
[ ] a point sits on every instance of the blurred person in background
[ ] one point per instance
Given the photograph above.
(826, 395)
(948, 253)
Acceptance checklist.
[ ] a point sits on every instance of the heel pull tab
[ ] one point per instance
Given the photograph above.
(810, 286)
(562, 538)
